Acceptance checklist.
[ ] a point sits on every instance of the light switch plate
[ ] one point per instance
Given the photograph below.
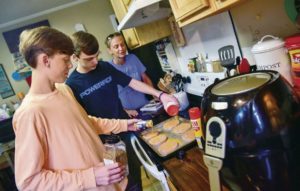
(79, 27)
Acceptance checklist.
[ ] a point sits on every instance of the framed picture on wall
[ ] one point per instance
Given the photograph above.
(6, 89)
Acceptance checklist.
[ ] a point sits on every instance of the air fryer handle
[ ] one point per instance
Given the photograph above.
(155, 161)
(214, 165)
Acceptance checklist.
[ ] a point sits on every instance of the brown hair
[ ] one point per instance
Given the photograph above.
(110, 37)
(43, 40)
(85, 42)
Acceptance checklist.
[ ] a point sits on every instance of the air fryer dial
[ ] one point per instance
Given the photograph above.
(215, 137)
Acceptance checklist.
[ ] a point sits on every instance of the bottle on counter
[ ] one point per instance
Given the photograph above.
(202, 67)
(172, 108)
(142, 125)
(115, 151)
(195, 117)
(208, 64)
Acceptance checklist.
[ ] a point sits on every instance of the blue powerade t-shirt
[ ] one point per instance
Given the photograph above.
(97, 90)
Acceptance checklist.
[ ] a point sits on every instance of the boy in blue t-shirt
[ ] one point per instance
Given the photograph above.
(95, 86)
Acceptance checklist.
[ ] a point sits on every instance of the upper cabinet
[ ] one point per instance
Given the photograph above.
(188, 11)
(141, 35)
(224, 4)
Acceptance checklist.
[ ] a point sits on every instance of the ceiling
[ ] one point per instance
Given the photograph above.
(16, 11)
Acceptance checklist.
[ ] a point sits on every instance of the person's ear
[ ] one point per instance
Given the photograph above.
(74, 58)
(44, 59)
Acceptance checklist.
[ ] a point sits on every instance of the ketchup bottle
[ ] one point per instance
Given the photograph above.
(195, 117)
(172, 108)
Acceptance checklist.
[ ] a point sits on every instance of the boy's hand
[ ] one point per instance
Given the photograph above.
(109, 174)
(130, 124)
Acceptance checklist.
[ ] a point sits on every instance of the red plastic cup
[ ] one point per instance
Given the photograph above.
(172, 108)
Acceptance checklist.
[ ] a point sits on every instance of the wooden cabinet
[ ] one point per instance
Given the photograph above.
(182, 9)
(223, 4)
(188, 11)
(141, 35)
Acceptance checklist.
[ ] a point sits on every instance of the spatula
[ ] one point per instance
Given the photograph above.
(227, 57)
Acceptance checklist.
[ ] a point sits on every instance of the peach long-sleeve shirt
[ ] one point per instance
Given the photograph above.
(57, 143)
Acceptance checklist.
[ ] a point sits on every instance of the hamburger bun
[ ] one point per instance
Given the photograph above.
(155, 141)
(150, 135)
(168, 147)
(169, 125)
(181, 128)
(189, 136)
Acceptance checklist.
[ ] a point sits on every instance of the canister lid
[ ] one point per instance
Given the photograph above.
(240, 84)
(267, 45)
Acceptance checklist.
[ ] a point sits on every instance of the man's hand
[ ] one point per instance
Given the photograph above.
(130, 124)
(131, 113)
(109, 174)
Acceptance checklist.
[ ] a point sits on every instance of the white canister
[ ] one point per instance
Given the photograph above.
(272, 55)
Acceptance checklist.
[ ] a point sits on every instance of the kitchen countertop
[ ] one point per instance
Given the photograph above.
(189, 173)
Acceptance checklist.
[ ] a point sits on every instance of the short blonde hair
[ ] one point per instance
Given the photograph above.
(43, 40)
(110, 37)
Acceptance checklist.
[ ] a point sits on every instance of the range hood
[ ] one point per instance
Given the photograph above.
(141, 12)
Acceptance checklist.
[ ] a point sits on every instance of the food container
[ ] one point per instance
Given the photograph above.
(115, 151)
(272, 55)
(179, 138)
(292, 43)
(216, 64)
(182, 99)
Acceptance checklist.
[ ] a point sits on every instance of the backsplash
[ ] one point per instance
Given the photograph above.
(205, 37)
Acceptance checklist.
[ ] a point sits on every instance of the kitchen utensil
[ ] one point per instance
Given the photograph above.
(237, 60)
(227, 58)
(165, 85)
(270, 54)
(178, 82)
(258, 114)
(243, 67)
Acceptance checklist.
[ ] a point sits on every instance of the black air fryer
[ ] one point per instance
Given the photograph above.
(252, 133)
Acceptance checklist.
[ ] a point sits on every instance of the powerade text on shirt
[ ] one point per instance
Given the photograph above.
(96, 86)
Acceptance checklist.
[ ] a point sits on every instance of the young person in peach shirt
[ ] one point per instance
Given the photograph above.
(57, 145)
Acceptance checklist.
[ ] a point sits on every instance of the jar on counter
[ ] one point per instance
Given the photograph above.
(292, 43)
(208, 65)
(115, 151)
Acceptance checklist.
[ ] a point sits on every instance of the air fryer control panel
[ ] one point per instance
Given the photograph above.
(215, 137)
